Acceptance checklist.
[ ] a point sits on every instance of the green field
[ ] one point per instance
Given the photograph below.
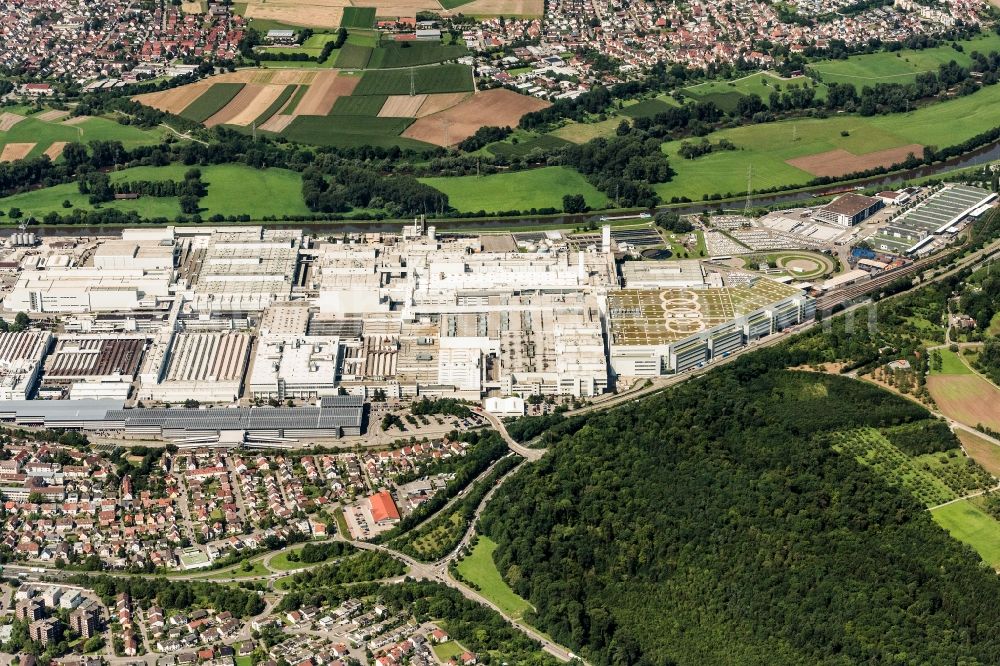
(353, 56)
(296, 98)
(951, 364)
(726, 94)
(546, 143)
(368, 105)
(349, 131)
(411, 54)
(436, 79)
(211, 102)
(767, 146)
(575, 132)
(901, 66)
(43, 134)
(276, 105)
(647, 108)
(517, 190)
(257, 568)
(232, 190)
(445, 651)
(968, 523)
(451, 4)
(358, 17)
(280, 562)
(479, 568)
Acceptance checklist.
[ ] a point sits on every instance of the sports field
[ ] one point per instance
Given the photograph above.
(480, 569)
(901, 66)
(517, 190)
(767, 147)
(968, 523)
(232, 190)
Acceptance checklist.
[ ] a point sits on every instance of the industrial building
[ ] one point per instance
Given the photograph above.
(88, 289)
(207, 367)
(294, 366)
(848, 210)
(336, 416)
(239, 315)
(667, 331)
(21, 356)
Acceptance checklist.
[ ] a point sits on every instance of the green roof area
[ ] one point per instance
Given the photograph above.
(662, 316)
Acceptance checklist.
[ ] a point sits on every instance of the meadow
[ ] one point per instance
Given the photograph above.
(647, 108)
(526, 145)
(901, 66)
(517, 190)
(43, 134)
(351, 131)
(765, 147)
(479, 568)
(726, 94)
(968, 523)
(233, 189)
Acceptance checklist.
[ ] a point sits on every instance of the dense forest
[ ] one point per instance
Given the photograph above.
(713, 524)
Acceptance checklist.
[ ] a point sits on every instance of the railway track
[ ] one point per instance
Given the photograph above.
(827, 302)
(841, 296)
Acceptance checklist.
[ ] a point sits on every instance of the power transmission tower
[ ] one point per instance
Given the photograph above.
(746, 206)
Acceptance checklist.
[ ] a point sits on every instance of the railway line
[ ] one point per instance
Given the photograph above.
(828, 302)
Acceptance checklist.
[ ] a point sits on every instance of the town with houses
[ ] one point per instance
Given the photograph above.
(105, 45)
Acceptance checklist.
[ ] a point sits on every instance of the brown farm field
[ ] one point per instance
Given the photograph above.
(55, 150)
(499, 107)
(840, 162)
(440, 101)
(501, 8)
(980, 449)
(248, 104)
(16, 151)
(51, 116)
(401, 106)
(174, 100)
(324, 91)
(8, 120)
(309, 13)
(969, 399)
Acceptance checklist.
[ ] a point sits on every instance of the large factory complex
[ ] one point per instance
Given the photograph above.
(294, 332)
